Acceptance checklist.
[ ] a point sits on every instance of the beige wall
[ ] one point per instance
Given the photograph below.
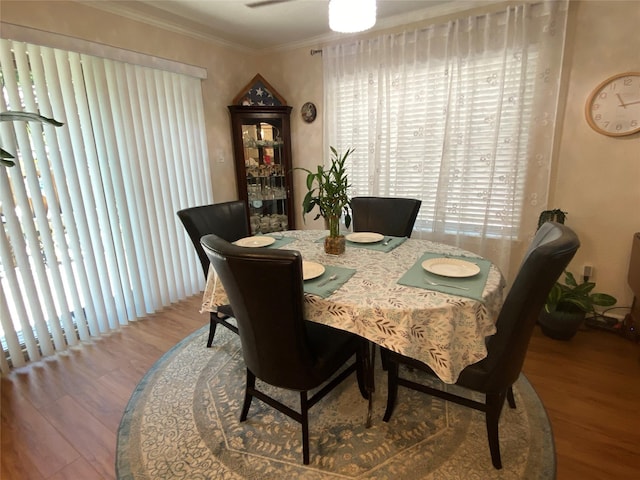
(595, 178)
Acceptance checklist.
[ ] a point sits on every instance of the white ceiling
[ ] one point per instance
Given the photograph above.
(279, 24)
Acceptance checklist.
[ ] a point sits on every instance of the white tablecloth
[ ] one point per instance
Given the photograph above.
(447, 332)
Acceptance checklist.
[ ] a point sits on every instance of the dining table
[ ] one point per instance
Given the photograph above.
(426, 300)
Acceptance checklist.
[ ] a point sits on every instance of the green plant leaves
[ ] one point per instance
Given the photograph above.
(28, 117)
(327, 189)
(572, 296)
(603, 300)
(6, 157)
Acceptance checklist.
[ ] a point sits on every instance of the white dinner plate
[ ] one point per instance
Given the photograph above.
(311, 270)
(451, 267)
(364, 237)
(255, 241)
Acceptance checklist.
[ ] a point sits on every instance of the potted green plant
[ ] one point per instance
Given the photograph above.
(567, 306)
(327, 189)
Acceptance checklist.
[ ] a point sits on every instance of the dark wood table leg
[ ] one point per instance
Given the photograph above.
(370, 384)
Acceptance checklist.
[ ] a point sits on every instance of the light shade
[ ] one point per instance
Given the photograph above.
(349, 16)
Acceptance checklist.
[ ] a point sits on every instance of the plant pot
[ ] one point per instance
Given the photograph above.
(560, 325)
(334, 245)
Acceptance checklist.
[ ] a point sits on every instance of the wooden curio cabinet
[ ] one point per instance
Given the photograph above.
(262, 154)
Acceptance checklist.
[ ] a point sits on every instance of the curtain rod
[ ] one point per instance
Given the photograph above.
(316, 52)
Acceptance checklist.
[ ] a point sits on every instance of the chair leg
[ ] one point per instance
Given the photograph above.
(392, 389)
(494, 403)
(248, 395)
(383, 359)
(361, 373)
(510, 398)
(304, 420)
(213, 323)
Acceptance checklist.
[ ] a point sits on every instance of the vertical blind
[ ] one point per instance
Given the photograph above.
(90, 238)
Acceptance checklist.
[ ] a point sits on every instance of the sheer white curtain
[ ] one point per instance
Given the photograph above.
(90, 236)
(460, 115)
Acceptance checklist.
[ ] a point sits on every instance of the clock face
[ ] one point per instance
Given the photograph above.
(613, 108)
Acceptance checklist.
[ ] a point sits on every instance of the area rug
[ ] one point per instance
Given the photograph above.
(182, 422)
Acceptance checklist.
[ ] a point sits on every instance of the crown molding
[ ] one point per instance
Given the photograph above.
(145, 13)
(141, 12)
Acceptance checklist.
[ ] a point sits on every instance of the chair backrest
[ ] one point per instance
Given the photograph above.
(385, 215)
(548, 255)
(265, 291)
(228, 220)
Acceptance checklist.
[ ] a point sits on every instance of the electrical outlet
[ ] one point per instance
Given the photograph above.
(587, 272)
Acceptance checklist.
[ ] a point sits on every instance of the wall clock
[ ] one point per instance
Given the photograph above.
(613, 108)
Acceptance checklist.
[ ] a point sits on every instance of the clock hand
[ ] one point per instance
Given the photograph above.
(622, 104)
(631, 103)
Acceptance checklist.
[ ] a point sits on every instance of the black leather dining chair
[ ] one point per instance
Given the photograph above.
(228, 220)
(385, 215)
(265, 289)
(550, 252)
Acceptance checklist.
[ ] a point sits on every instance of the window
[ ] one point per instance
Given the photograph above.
(90, 238)
(459, 115)
(423, 132)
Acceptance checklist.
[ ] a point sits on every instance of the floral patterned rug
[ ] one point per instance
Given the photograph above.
(182, 422)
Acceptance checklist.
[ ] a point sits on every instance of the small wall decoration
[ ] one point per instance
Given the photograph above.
(308, 112)
(259, 93)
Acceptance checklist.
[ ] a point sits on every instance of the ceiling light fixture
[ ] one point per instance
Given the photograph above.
(350, 16)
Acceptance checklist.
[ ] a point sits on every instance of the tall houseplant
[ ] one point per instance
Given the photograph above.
(567, 306)
(327, 190)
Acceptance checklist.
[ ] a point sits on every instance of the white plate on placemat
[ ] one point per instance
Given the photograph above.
(311, 270)
(451, 267)
(364, 237)
(255, 241)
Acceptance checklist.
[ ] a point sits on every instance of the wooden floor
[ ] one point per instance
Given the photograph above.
(60, 416)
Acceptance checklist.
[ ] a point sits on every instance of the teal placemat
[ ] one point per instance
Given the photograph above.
(379, 246)
(281, 241)
(323, 287)
(416, 276)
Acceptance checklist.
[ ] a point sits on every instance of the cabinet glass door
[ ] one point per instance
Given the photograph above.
(265, 176)
(263, 165)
